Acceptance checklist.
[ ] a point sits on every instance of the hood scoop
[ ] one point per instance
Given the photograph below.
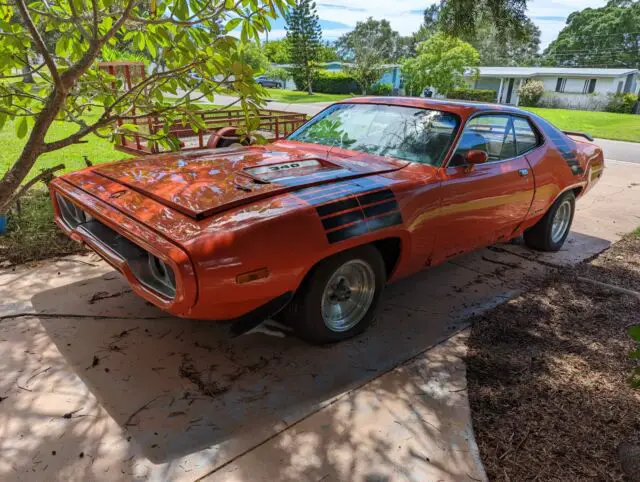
(292, 172)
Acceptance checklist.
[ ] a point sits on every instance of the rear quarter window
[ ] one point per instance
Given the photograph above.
(526, 136)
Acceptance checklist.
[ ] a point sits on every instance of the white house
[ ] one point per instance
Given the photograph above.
(584, 88)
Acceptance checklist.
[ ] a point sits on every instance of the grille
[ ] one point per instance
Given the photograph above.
(148, 269)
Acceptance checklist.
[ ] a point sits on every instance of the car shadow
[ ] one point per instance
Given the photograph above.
(180, 386)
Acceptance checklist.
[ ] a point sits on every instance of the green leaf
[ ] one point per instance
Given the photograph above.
(130, 127)
(140, 41)
(62, 46)
(634, 331)
(152, 49)
(181, 10)
(233, 23)
(22, 127)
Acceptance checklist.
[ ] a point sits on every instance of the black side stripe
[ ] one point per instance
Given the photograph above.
(342, 219)
(337, 206)
(565, 145)
(348, 232)
(377, 209)
(365, 213)
(375, 197)
(364, 227)
(323, 194)
(384, 221)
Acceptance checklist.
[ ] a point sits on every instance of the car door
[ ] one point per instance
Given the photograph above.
(483, 203)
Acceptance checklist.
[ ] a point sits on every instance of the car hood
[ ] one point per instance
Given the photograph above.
(202, 183)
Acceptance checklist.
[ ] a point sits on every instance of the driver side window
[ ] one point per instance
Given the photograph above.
(493, 134)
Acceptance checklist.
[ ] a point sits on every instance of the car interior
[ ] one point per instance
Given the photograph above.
(501, 137)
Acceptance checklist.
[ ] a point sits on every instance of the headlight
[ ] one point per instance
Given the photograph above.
(164, 279)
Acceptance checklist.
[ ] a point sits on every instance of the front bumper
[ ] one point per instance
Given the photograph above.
(157, 270)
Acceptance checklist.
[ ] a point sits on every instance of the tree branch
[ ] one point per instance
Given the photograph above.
(77, 20)
(77, 136)
(80, 67)
(40, 45)
(43, 176)
(32, 71)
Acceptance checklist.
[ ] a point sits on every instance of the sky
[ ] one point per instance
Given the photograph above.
(340, 16)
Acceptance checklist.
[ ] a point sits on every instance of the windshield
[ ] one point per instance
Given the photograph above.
(408, 133)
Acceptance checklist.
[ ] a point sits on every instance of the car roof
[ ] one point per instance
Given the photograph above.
(462, 108)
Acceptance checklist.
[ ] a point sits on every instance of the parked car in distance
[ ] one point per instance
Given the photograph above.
(311, 228)
(265, 81)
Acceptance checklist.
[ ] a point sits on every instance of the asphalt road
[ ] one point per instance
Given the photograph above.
(620, 151)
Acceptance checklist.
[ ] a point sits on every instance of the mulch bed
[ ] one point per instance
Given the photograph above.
(548, 375)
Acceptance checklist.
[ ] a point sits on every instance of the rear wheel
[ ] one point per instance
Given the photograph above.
(550, 233)
(338, 299)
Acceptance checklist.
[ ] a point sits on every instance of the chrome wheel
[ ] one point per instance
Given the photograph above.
(348, 295)
(561, 221)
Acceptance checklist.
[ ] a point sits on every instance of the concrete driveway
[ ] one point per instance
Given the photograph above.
(98, 385)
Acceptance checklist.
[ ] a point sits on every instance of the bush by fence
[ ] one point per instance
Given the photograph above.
(555, 100)
(381, 89)
(621, 103)
(473, 94)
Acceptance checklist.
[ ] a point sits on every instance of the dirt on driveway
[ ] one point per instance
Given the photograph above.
(548, 374)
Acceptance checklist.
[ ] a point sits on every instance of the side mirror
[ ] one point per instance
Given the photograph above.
(476, 156)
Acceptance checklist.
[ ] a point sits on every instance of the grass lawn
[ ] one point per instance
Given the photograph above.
(607, 125)
(298, 97)
(31, 232)
(96, 149)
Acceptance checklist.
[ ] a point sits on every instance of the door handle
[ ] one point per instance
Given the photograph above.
(523, 172)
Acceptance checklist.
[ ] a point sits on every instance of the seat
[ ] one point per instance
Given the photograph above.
(224, 137)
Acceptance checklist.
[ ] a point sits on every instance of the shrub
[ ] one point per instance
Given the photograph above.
(328, 82)
(381, 89)
(621, 103)
(530, 93)
(554, 100)
(473, 94)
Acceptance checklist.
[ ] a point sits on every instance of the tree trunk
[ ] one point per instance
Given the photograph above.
(31, 151)
(309, 86)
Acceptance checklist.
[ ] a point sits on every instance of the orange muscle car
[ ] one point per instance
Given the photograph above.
(311, 228)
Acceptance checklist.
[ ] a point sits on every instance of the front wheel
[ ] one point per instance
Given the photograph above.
(550, 233)
(338, 299)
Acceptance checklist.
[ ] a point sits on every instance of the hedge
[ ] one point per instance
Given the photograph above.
(327, 82)
(621, 103)
(473, 94)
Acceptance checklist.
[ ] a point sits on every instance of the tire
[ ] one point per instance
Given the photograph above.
(546, 235)
(328, 285)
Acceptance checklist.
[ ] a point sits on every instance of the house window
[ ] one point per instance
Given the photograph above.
(619, 89)
(560, 84)
(589, 86)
